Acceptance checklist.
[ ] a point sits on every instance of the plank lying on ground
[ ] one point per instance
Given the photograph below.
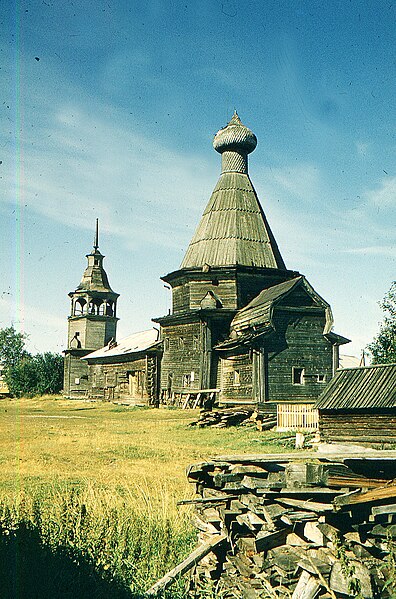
(314, 506)
(185, 565)
(220, 499)
(328, 457)
(365, 497)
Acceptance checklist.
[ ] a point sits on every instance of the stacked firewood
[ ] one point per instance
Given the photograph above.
(298, 525)
(234, 417)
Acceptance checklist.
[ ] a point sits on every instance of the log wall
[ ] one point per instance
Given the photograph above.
(374, 427)
(299, 343)
(182, 356)
(133, 381)
(236, 379)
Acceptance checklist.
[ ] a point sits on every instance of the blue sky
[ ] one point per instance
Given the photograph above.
(116, 118)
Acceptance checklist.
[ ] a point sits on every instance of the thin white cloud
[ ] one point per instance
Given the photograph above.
(362, 148)
(89, 165)
(302, 180)
(373, 250)
(384, 195)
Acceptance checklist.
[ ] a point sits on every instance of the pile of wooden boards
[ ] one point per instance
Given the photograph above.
(234, 417)
(299, 525)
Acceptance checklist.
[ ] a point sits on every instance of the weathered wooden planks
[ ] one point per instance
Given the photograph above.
(318, 538)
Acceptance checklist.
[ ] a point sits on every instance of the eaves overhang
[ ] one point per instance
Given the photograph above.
(195, 315)
(94, 293)
(157, 348)
(199, 273)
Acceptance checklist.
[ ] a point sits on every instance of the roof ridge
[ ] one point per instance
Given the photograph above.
(366, 367)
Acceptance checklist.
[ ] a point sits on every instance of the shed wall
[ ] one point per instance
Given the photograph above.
(372, 427)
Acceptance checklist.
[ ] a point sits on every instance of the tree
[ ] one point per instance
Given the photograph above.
(26, 374)
(49, 368)
(383, 347)
(36, 375)
(12, 347)
(22, 378)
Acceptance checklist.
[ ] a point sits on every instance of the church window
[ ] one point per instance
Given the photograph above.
(166, 343)
(298, 375)
(102, 309)
(237, 378)
(195, 341)
(181, 342)
(320, 378)
(186, 381)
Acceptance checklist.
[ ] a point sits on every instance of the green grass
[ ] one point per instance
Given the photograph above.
(90, 490)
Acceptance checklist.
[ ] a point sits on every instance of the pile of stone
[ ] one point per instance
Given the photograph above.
(297, 526)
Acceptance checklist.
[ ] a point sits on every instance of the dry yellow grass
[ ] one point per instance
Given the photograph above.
(52, 441)
(101, 482)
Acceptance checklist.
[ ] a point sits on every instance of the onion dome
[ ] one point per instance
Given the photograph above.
(233, 229)
(235, 136)
(234, 142)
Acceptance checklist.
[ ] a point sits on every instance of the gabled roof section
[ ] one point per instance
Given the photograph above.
(360, 389)
(233, 229)
(259, 311)
(134, 344)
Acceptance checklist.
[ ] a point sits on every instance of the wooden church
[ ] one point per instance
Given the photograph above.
(242, 325)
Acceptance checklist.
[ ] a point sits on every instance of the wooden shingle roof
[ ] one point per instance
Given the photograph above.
(233, 228)
(360, 388)
(256, 319)
(260, 310)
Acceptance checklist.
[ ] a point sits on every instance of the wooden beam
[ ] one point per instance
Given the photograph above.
(354, 498)
(185, 565)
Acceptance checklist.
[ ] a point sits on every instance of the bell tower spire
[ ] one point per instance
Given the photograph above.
(92, 322)
(96, 238)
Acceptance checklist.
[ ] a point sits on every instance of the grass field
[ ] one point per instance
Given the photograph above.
(88, 492)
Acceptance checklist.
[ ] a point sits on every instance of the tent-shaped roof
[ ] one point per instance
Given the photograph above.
(233, 229)
(360, 388)
(134, 344)
(94, 277)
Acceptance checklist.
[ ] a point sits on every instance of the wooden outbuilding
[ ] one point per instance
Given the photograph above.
(127, 370)
(359, 406)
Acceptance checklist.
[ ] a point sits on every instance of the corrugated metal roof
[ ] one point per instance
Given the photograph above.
(135, 343)
(360, 388)
(233, 229)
